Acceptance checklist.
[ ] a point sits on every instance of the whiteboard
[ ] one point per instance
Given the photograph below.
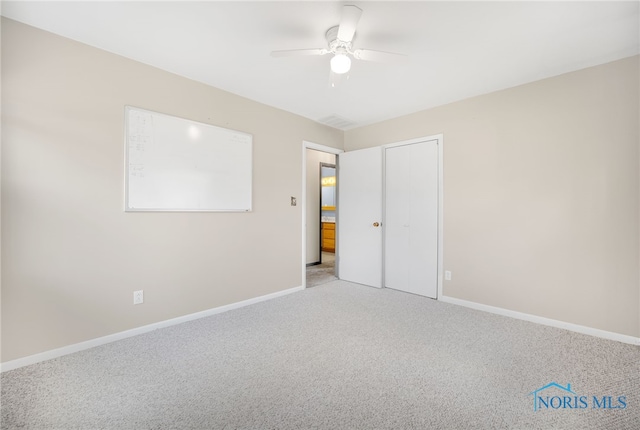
(174, 164)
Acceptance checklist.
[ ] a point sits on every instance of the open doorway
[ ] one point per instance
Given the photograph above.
(325, 270)
(320, 212)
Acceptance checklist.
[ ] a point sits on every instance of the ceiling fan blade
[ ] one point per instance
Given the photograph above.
(299, 52)
(348, 22)
(380, 56)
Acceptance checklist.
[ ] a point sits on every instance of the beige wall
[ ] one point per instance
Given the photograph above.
(541, 195)
(71, 257)
(314, 158)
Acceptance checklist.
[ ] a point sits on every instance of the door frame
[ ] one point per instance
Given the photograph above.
(439, 138)
(322, 148)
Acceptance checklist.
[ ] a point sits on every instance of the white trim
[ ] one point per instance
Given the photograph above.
(440, 142)
(383, 216)
(316, 147)
(321, 148)
(437, 137)
(544, 321)
(440, 138)
(70, 349)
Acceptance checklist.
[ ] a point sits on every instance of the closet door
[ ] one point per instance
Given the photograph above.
(411, 218)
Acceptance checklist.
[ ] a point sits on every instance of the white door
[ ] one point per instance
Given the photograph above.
(359, 217)
(411, 218)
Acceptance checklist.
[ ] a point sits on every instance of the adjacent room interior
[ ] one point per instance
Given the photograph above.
(519, 121)
(321, 207)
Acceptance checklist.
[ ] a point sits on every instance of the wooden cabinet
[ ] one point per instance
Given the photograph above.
(329, 237)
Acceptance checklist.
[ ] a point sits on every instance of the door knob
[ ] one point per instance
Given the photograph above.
(376, 224)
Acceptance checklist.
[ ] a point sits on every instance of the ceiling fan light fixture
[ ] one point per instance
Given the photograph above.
(340, 63)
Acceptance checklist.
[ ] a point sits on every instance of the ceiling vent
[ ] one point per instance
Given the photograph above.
(336, 121)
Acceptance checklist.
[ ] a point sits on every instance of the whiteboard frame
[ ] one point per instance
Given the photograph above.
(127, 208)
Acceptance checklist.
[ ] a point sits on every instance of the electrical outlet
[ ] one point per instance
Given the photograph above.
(447, 275)
(138, 298)
(294, 201)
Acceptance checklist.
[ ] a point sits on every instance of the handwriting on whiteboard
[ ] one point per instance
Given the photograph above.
(140, 133)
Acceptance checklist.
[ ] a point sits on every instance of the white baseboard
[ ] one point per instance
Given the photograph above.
(544, 321)
(70, 349)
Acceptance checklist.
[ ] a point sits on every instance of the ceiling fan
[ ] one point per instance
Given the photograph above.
(340, 45)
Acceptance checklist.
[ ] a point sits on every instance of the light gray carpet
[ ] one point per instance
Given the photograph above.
(336, 356)
(322, 273)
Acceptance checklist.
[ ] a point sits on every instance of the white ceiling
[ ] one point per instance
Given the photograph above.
(456, 50)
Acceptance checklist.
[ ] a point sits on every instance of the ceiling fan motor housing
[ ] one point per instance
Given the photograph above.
(335, 44)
